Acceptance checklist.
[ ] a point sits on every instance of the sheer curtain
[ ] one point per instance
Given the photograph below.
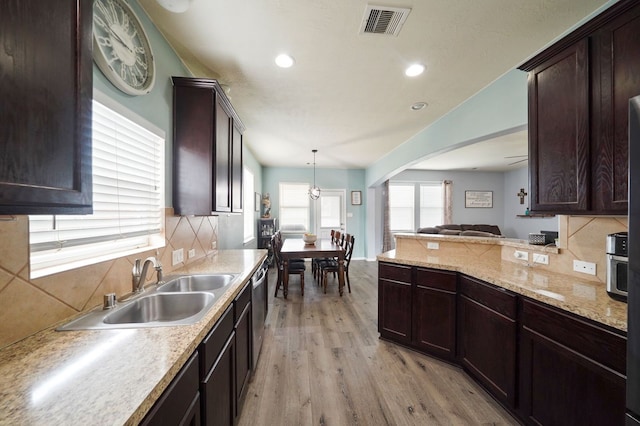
(447, 193)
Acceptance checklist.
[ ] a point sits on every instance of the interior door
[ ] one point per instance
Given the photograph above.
(330, 212)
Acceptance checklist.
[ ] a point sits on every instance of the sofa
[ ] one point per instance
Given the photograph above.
(464, 230)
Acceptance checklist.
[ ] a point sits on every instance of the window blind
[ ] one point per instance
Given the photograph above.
(128, 198)
(249, 201)
(294, 207)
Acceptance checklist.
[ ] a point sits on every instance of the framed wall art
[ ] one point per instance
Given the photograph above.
(478, 199)
(356, 198)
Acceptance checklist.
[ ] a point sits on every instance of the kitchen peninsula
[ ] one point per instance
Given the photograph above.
(109, 376)
(525, 332)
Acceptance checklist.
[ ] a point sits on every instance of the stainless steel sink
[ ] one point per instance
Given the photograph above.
(210, 283)
(152, 310)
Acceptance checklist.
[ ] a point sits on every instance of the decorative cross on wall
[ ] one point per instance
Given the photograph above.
(521, 194)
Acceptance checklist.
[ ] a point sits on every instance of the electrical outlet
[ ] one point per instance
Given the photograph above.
(522, 255)
(432, 245)
(177, 256)
(584, 267)
(214, 245)
(191, 253)
(541, 258)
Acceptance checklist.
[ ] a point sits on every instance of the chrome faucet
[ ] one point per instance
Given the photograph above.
(139, 274)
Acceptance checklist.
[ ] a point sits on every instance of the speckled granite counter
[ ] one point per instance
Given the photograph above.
(107, 377)
(585, 298)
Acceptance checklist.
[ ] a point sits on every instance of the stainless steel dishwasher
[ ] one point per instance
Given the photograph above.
(259, 308)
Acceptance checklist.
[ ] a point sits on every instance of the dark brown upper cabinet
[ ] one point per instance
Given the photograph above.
(579, 90)
(207, 149)
(46, 83)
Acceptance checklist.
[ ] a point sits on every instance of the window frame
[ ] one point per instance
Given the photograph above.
(249, 209)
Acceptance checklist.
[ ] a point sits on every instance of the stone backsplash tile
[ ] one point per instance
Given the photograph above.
(28, 306)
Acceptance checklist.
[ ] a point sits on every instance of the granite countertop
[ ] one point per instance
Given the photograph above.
(113, 377)
(588, 299)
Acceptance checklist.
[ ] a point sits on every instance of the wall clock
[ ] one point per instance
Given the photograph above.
(121, 48)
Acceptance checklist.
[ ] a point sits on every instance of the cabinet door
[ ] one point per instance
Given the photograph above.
(559, 132)
(236, 171)
(217, 389)
(243, 355)
(571, 370)
(616, 78)
(222, 159)
(487, 344)
(394, 302)
(193, 128)
(45, 107)
(434, 313)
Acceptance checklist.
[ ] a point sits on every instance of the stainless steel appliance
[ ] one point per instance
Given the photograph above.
(617, 265)
(633, 326)
(259, 308)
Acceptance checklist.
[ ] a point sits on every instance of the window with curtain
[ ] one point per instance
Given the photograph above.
(128, 197)
(249, 201)
(294, 207)
(414, 205)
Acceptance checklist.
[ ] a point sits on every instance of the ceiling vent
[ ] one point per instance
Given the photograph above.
(383, 20)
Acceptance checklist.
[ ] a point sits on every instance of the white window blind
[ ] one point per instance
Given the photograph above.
(401, 206)
(294, 207)
(249, 201)
(128, 200)
(431, 204)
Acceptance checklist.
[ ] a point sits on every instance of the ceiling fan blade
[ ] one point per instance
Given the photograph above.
(517, 156)
(519, 161)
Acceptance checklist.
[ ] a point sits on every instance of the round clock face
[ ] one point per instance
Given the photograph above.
(121, 48)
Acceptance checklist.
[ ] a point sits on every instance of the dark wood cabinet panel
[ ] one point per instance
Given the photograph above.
(217, 388)
(236, 172)
(616, 78)
(487, 345)
(559, 131)
(566, 365)
(394, 305)
(243, 331)
(179, 404)
(434, 313)
(579, 89)
(45, 107)
(204, 164)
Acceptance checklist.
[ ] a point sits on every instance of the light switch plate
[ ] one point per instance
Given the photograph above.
(541, 258)
(177, 256)
(191, 253)
(522, 255)
(584, 267)
(433, 246)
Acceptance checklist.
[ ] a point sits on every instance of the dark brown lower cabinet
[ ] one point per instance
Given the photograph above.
(572, 371)
(394, 304)
(433, 320)
(243, 332)
(180, 403)
(487, 337)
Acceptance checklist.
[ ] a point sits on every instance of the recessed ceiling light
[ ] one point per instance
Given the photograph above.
(418, 106)
(284, 61)
(414, 70)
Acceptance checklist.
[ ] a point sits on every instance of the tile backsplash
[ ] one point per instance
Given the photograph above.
(28, 306)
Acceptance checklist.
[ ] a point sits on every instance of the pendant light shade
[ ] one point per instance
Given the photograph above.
(314, 191)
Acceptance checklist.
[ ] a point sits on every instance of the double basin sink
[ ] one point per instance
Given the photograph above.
(182, 300)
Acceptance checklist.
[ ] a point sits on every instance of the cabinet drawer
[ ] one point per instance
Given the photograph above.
(241, 301)
(496, 298)
(393, 272)
(214, 342)
(442, 280)
(581, 335)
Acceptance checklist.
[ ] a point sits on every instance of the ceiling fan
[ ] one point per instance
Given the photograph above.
(526, 157)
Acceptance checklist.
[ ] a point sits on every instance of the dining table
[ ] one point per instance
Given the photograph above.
(295, 248)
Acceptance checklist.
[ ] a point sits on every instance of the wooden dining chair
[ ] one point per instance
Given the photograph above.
(333, 265)
(296, 266)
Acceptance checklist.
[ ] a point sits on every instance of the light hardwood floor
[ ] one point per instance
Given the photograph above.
(322, 363)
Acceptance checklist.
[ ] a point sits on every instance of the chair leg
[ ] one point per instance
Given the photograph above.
(278, 282)
(346, 274)
(302, 283)
(324, 280)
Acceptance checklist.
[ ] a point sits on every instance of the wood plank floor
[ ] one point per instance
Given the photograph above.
(322, 363)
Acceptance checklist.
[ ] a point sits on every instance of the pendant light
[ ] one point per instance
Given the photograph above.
(314, 192)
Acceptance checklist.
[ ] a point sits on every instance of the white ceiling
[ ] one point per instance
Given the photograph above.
(347, 94)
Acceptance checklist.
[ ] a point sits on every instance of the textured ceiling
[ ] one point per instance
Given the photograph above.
(347, 94)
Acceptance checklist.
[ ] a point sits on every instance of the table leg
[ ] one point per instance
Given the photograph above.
(285, 278)
(341, 276)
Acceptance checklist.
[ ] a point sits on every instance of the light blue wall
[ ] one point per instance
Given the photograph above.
(349, 179)
(519, 227)
(157, 108)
